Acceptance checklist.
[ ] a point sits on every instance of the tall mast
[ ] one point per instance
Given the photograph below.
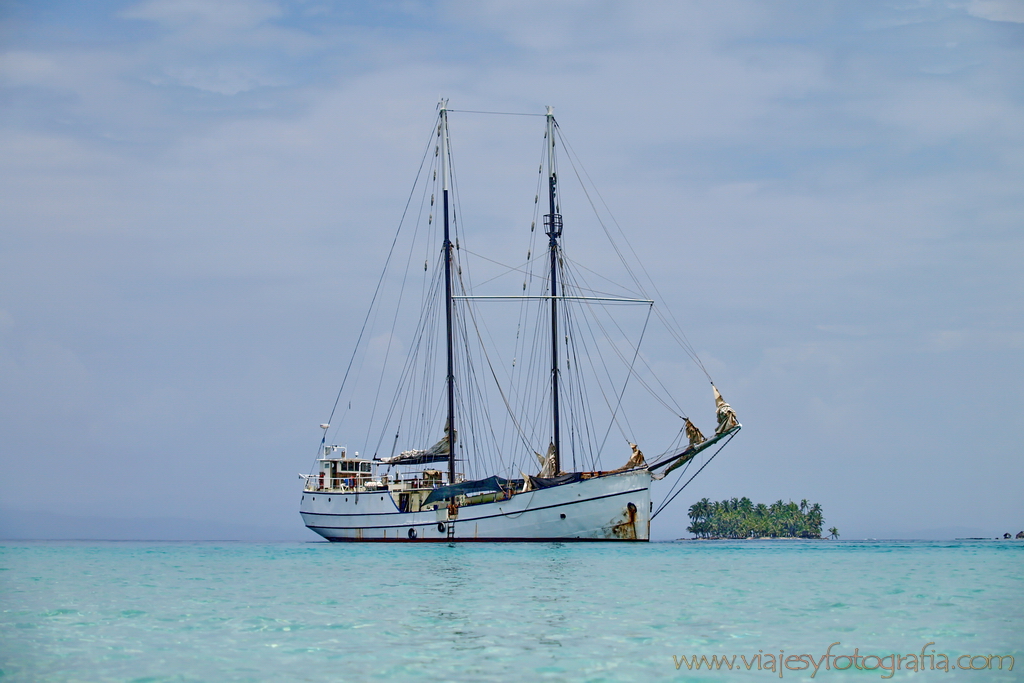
(449, 341)
(553, 223)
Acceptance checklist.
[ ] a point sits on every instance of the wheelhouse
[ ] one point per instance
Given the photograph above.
(337, 471)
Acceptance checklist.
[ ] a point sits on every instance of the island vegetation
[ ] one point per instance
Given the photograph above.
(741, 518)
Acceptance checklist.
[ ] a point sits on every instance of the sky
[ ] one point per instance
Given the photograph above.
(197, 197)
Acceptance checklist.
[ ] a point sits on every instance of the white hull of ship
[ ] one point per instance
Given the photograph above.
(613, 507)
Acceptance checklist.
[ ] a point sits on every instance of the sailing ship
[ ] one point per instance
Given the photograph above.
(440, 493)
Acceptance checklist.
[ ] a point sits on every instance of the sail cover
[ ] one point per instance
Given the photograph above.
(465, 488)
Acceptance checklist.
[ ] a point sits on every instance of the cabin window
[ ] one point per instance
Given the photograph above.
(365, 467)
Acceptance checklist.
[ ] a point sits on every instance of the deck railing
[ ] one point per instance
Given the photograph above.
(316, 482)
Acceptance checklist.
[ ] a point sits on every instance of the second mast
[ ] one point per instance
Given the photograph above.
(553, 224)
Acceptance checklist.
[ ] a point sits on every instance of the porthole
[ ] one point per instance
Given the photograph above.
(329, 500)
(382, 497)
(314, 497)
(562, 515)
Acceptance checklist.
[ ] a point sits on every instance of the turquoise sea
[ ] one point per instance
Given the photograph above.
(159, 611)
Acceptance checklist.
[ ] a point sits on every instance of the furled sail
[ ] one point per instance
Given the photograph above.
(726, 415)
(436, 453)
(635, 460)
(697, 441)
(693, 434)
(697, 444)
(547, 463)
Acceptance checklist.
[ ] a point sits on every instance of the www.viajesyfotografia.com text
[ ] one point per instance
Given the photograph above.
(925, 660)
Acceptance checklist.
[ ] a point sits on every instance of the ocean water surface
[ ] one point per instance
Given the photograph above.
(158, 611)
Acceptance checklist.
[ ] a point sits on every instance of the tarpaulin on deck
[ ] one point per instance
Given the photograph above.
(548, 482)
(465, 488)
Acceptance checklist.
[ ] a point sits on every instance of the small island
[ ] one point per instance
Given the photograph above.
(741, 518)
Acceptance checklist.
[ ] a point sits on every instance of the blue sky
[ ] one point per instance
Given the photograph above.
(196, 196)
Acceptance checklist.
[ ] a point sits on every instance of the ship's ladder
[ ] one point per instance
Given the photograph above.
(451, 529)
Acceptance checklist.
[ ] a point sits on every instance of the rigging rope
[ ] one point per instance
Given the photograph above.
(376, 292)
(719, 450)
(676, 331)
(526, 391)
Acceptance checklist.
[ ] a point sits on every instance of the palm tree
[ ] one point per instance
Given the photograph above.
(692, 512)
(814, 519)
(703, 509)
(833, 533)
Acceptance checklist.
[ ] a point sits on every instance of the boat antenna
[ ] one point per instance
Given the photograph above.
(553, 225)
(447, 247)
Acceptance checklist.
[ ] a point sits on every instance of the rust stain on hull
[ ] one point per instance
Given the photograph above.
(626, 529)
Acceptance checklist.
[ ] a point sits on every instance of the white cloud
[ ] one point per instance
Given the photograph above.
(226, 79)
(226, 14)
(224, 47)
(997, 10)
(27, 68)
(974, 341)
